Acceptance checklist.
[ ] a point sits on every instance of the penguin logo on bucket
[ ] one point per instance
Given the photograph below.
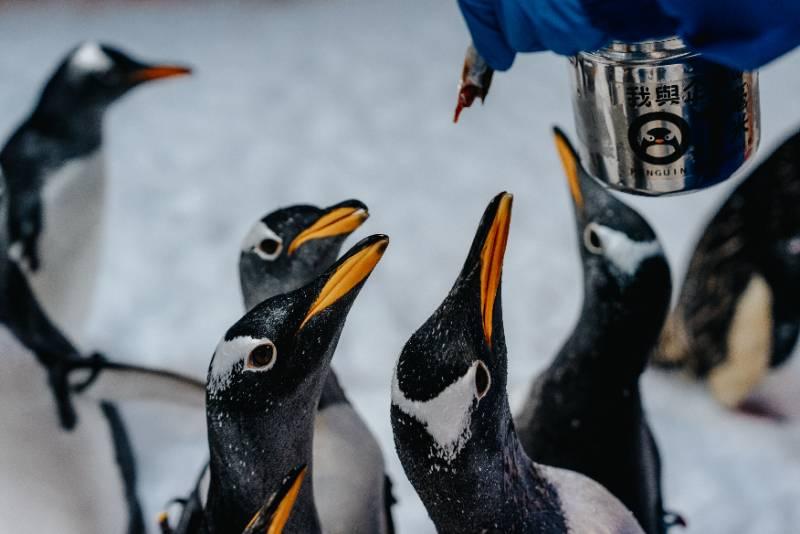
(659, 138)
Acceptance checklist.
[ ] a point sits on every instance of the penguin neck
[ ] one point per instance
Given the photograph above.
(613, 338)
(491, 486)
(79, 125)
(250, 455)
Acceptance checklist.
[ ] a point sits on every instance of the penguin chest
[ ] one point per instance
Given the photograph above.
(53, 480)
(348, 473)
(749, 345)
(72, 202)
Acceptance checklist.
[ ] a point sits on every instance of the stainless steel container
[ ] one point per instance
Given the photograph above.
(655, 118)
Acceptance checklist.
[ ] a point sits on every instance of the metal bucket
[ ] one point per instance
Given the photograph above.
(654, 118)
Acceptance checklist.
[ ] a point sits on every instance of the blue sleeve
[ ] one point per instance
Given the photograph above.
(741, 33)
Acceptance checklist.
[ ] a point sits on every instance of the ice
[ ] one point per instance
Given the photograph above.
(322, 100)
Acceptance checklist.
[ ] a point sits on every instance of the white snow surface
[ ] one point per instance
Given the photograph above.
(321, 100)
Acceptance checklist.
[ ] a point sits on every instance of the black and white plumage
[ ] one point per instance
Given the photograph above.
(291, 246)
(65, 450)
(738, 314)
(282, 252)
(285, 250)
(54, 169)
(584, 411)
(264, 384)
(452, 423)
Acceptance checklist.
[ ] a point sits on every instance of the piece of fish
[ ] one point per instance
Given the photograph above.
(476, 78)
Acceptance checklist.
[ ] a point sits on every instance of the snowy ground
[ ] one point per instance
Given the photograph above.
(320, 100)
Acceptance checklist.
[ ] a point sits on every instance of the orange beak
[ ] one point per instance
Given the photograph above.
(159, 71)
(492, 254)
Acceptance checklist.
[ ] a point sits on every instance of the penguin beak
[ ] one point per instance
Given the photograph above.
(572, 166)
(491, 258)
(148, 73)
(348, 273)
(340, 219)
(273, 516)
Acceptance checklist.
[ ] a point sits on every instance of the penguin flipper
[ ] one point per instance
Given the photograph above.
(126, 461)
(23, 315)
(190, 518)
(389, 500)
(118, 382)
(25, 217)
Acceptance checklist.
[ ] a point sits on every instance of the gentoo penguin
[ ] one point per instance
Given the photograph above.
(584, 411)
(291, 246)
(738, 314)
(65, 451)
(53, 165)
(452, 422)
(264, 384)
(283, 251)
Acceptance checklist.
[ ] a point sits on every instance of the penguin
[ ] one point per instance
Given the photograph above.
(64, 446)
(53, 164)
(264, 384)
(737, 316)
(285, 250)
(273, 515)
(289, 247)
(584, 411)
(452, 423)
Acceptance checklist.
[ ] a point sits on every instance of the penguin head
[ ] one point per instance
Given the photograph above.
(289, 247)
(276, 511)
(448, 390)
(622, 258)
(94, 75)
(279, 351)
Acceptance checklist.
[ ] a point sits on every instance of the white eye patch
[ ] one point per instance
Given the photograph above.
(258, 233)
(447, 416)
(228, 354)
(622, 251)
(90, 58)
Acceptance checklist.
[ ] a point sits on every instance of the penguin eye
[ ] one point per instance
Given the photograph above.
(668, 137)
(262, 357)
(591, 239)
(650, 137)
(483, 380)
(269, 248)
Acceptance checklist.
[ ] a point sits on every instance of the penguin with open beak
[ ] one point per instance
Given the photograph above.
(54, 167)
(737, 318)
(584, 411)
(264, 385)
(452, 423)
